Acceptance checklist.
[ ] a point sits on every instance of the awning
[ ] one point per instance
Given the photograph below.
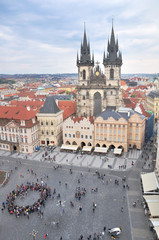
(151, 198)
(69, 147)
(117, 150)
(87, 149)
(149, 182)
(100, 150)
(154, 221)
(153, 208)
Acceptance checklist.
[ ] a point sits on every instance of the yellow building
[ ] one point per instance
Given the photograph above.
(153, 103)
(50, 119)
(123, 129)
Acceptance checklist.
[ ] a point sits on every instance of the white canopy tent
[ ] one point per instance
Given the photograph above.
(87, 149)
(100, 150)
(117, 151)
(69, 147)
(149, 182)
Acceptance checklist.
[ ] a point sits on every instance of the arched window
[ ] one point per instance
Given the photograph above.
(111, 73)
(84, 74)
(83, 97)
(51, 123)
(111, 92)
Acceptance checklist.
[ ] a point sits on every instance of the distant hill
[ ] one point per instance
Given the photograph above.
(6, 81)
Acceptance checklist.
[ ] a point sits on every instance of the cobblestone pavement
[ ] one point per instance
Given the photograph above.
(72, 223)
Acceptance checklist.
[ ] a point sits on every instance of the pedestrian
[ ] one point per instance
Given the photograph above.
(45, 235)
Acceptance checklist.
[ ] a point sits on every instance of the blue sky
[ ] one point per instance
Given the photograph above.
(43, 36)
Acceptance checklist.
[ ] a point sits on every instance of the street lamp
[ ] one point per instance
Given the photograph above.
(33, 234)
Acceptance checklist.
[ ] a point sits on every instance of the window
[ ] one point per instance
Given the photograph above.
(26, 140)
(81, 136)
(83, 97)
(101, 125)
(86, 136)
(90, 137)
(114, 139)
(84, 74)
(110, 131)
(5, 129)
(65, 135)
(123, 131)
(105, 125)
(131, 124)
(110, 138)
(130, 129)
(111, 73)
(130, 137)
(114, 131)
(105, 138)
(123, 126)
(41, 123)
(51, 123)
(136, 137)
(110, 125)
(105, 130)
(97, 130)
(42, 132)
(52, 133)
(111, 93)
(25, 130)
(118, 139)
(73, 135)
(101, 137)
(118, 131)
(97, 137)
(46, 123)
(119, 126)
(137, 124)
(2, 128)
(47, 133)
(137, 130)
(21, 139)
(69, 135)
(9, 129)
(123, 139)
(105, 94)
(21, 130)
(101, 130)
(97, 124)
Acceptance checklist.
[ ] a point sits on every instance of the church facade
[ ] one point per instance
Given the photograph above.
(96, 91)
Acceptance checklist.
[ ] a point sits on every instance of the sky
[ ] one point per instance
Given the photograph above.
(43, 36)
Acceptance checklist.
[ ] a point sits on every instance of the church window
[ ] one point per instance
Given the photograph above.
(105, 94)
(83, 97)
(84, 74)
(111, 73)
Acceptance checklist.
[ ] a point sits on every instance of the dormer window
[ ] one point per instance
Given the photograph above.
(33, 120)
(22, 122)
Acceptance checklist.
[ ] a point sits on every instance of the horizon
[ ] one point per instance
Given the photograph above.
(44, 36)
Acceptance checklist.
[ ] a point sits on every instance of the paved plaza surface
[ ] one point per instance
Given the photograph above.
(110, 197)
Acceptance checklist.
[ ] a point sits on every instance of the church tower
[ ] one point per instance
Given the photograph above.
(112, 62)
(85, 64)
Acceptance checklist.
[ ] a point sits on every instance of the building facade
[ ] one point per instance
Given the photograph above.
(97, 91)
(18, 130)
(50, 119)
(79, 131)
(123, 129)
(152, 101)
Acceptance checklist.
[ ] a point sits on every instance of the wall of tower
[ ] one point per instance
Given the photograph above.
(116, 80)
(87, 69)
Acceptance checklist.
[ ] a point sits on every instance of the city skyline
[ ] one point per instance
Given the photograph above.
(44, 36)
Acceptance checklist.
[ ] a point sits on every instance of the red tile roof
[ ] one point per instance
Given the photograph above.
(21, 113)
(69, 108)
(78, 119)
(144, 112)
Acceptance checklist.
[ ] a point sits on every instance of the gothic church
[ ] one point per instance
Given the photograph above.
(96, 91)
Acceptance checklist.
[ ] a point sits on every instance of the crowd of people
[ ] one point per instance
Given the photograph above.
(21, 192)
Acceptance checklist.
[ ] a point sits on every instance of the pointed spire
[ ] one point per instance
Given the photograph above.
(77, 57)
(113, 55)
